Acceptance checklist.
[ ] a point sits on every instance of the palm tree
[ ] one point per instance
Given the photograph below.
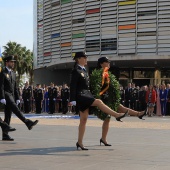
(28, 62)
(11, 48)
(24, 63)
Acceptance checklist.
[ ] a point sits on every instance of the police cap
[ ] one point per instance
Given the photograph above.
(79, 55)
(9, 58)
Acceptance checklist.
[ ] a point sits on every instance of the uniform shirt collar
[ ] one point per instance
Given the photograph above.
(9, 70)
(81, 67)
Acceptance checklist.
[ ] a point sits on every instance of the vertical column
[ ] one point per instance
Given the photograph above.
(55, 30)
(78, 26)
(40, 25)
(65, 32)
(47, 32)
(126, 27)
(93, 28)
(146, 27)
(163, 27)
(109, 28)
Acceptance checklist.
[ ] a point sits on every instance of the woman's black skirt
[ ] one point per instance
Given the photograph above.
(84, 100)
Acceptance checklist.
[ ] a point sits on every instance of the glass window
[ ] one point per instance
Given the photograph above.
(80, 20)
(108, 44)
(93, 45)
(124, 75)
(165, 74)
(143, 74)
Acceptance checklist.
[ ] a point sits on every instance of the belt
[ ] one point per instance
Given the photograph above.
(83, 91)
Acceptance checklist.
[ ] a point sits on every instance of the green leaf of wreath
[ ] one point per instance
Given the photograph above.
(113, 99)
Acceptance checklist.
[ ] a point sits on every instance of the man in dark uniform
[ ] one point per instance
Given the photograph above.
(65, 97)
(134, 97)
(27, 96)
(9, 96)
(142, 98)
(52, 94)
(128, 91)
(122, 95)
(38, 97)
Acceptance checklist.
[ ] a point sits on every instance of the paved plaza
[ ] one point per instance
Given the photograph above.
(136, 145)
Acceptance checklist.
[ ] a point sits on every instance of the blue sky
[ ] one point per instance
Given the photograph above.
(16, 22)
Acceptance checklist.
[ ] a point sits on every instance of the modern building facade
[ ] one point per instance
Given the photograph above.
(133, 34)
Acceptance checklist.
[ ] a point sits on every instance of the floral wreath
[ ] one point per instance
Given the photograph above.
(96, 82)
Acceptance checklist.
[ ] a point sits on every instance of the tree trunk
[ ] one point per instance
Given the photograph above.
(31, 74)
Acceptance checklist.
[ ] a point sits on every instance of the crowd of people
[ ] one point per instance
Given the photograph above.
(45, 98)
(154, 97)
(55, 99)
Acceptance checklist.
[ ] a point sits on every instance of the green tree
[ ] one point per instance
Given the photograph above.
(24, 57)
(28, 63)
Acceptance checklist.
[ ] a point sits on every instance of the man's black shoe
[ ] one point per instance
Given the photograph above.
(30, 123)
(7, 138)
(6, 128)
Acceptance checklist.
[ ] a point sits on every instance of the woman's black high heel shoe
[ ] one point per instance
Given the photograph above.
(141, 116)
(120, 117)
(106, 144)
(82, 148)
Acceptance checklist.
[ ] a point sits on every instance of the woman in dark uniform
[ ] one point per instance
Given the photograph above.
(109, 93)
(81, 96)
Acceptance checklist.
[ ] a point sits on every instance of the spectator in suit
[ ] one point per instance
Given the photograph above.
(27, 96)
(142, 97)
(52, 94)
(168, 99)
(128, 92)
(163, 99)
(134, 97)
(122, 95)
(38, 97)
(65, 94)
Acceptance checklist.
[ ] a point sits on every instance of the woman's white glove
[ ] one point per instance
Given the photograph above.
(3, 101)
(73, 103)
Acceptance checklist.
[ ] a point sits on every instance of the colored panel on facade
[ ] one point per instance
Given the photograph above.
(65, 1)
(73, 55)
(55, 4)
(78, 35)
(127, 2)
(40, 25)
(47, 54)
(66, 44)
(127, 27)
(92, 11)
(55, 35)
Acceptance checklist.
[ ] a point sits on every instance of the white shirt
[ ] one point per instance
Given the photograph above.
(82, 67)
(9, 70)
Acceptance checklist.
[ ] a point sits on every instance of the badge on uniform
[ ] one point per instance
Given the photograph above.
(82, 74)
(7, 75)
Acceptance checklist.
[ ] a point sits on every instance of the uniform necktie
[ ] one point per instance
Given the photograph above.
(84, 69)
(10, 75)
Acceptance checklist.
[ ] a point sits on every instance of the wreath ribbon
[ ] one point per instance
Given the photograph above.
(105, 80)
